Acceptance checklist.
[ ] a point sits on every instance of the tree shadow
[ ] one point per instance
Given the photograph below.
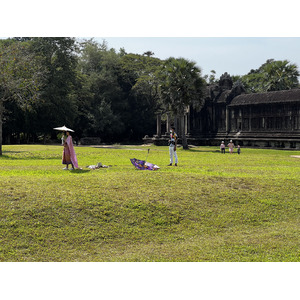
(9, 151)
(26, 155)
(79, 171)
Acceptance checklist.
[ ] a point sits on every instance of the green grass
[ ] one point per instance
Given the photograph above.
(212, 207)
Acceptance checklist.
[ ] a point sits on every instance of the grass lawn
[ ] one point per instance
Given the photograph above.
(212, 207)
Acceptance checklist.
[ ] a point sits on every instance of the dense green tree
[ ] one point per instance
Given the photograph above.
(212, 77)
(21, 77)
(117, 94)
(181, 85)
(140, 76)
(104, 101)
(59, 57)
(272, 76)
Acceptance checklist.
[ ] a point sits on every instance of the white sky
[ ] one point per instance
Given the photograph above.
(226, 36)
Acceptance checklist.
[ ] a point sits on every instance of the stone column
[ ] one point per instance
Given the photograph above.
(227, 120)
(213, 126)
(240, 125)
(250, 117)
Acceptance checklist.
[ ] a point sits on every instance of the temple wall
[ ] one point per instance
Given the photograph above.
(284, 118)
(267, 126)
(269, 120)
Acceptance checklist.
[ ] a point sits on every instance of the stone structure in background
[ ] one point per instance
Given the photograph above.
(269, 119)
(90, 141)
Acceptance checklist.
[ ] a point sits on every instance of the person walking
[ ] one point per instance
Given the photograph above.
(230, 146)
(173, 146)
(222, 147)
(69, 155)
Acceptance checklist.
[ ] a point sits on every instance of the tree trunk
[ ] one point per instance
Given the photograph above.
(182, 127)
(158, 125)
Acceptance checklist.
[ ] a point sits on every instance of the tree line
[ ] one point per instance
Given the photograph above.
(47, 82)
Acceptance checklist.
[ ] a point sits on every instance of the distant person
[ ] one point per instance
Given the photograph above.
(69, 156)
(238, 149)
(173, 146)
(222, 147)
(230, 146)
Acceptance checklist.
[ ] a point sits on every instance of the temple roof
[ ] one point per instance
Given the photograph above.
(223, 97)
(267, 98)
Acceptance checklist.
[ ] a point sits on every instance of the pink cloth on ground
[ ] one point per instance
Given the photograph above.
(72, 152)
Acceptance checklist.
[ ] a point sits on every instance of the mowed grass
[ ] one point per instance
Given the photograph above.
(212, 207)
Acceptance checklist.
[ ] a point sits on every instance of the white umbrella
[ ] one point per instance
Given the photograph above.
(63, 128)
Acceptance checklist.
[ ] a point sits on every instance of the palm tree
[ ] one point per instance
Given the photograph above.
(273, 75)
(148, 53)
(181, 85)
(280, 75)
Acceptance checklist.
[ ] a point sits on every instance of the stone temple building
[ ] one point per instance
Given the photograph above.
(270, 119)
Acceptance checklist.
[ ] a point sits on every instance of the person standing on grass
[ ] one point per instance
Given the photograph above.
(173, 146)
(69, 156)
(238, 149)
(222, 147)
(230, 146)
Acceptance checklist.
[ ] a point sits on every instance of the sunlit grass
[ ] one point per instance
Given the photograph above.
(212, 207)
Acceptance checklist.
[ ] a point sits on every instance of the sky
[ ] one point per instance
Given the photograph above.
(234, 55)
(225, 36)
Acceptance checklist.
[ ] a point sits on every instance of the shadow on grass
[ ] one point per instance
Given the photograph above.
(15, 155)
(6, 154)
(203, 150)
(9, 151)
(79, 171)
